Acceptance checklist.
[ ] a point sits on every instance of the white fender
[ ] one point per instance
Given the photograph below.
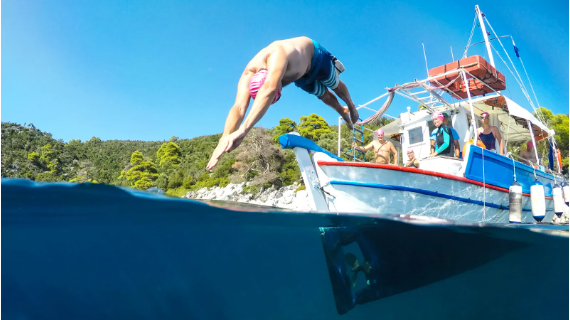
(537, 201)
(558, 200)
(515, 203)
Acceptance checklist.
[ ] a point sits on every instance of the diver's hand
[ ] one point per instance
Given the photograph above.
(220, 149)
(235, 139)
(226, 144)
(433, 154)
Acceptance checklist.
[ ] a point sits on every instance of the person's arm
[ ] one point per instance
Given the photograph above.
(456, 144)
(497, 135)
(276, 65)
(417, 163)
(363, 149)
(238, 110)
(393, 149)
(432, 138)
(235, 116)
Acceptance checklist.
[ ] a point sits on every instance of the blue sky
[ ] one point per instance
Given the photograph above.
(148, 70)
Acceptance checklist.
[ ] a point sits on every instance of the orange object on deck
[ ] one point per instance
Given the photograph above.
(559, 159)
(478, 67)
(468, 145)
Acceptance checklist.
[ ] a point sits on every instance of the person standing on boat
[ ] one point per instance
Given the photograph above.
(453, 134)
(382, 149)
(488, 134)
(413, 162)
(528, 154)
(443, 137)
(300, 60)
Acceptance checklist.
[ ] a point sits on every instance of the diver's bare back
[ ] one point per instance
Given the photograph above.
(299, 52)
(382, 152)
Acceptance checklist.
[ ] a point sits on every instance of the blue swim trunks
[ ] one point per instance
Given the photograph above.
(322, 75)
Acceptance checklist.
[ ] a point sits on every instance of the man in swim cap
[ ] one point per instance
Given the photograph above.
(528, 154)
(300, 60)
(382, 149)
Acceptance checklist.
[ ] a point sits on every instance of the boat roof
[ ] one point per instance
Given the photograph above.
(513, 118)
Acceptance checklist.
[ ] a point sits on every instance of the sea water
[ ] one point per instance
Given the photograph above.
(90, 251)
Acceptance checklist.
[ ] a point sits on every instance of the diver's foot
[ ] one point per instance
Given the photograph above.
(345, 113)
(353, 114)
(346, 116)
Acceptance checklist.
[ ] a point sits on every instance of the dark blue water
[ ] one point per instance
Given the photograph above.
(101, 252)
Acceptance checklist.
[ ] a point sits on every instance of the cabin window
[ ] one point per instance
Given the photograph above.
(415, 135)
(431, 127)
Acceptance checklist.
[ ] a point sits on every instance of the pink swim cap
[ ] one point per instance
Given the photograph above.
(437, 115)
(257, 81)
(529, 145)
(379, 132)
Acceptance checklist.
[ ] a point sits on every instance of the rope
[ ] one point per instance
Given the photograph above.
(507, 140)
(425, 58)
(521, 85)
(484, 186)
(539, 113)
(380, 111)
(514, 168)
(509, 57)
(470, 36)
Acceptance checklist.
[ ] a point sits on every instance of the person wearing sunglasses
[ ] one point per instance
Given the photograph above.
(302, 61)
(489, 134)
(412, 161)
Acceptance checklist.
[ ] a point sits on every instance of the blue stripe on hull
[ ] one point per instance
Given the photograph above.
(421, 191)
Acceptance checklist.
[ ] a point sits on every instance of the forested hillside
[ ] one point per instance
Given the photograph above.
(174, 165)
(178, 165)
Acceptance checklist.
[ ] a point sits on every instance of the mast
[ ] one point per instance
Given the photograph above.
(484, 30)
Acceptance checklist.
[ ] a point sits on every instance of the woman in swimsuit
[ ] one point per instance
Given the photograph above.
(488, 134)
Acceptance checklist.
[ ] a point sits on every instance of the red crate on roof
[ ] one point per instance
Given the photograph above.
(475, 65)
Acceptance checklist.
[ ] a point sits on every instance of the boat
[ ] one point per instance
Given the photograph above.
(473, 188)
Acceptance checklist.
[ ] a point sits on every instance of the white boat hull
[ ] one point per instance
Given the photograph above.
(353, 188)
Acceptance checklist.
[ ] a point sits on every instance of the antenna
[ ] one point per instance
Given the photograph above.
(452, 58)
(487, 43)
(425, 58)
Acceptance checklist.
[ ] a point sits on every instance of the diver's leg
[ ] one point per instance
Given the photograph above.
(330, 100)
(342, 91)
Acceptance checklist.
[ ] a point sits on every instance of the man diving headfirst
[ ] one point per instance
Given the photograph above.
(300, 60)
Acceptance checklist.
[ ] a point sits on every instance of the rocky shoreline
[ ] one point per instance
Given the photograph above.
(285, 197)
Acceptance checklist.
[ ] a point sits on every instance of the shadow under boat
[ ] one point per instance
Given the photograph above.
(375, 261)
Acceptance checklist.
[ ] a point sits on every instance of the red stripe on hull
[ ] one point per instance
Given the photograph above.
(414, 170)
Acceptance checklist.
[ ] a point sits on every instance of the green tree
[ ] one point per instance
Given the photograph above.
(141, 174)
(168, 156)
(560, 124)
(285, 126)
(313, 126)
